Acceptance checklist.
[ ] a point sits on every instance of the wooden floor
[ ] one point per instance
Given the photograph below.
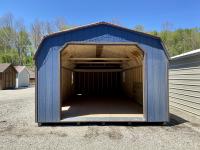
(82, 108)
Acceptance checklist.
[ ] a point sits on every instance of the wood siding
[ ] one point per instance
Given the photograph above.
(184, 84)
(132, 81)
(48, 71)
(7, 78)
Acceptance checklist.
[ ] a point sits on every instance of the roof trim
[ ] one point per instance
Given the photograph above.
(187, 54)
(19, 68)
(6, 66)
(91, 25)
(165, 49)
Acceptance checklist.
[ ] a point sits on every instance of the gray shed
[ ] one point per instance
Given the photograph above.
(184, 82)
(101, 73)
(22, 78)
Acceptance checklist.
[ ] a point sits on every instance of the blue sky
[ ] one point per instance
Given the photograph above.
(150, 13)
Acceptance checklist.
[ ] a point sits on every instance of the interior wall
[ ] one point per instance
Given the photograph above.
(132, 82)
(97, 83)
(67, 85)
(132, 66)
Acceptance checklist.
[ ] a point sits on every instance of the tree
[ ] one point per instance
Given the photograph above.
(115, 21)
(22, 45)
(14, 39)
(61, 24)
(7, 32)
(139, 28)
(37, 33)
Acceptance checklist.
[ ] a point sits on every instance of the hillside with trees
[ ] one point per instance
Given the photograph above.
(18, 42)
(177, 41)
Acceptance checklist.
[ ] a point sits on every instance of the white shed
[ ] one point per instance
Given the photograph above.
(22, 78)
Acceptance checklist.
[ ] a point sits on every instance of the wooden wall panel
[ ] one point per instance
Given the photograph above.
(132, 81)
(8, 78)
(66, 83)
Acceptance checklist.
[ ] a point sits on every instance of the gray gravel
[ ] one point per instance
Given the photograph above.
(18, 130)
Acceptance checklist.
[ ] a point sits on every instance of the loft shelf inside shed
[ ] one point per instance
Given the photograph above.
(103, 82)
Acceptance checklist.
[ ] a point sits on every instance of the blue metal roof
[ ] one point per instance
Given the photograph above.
(99, 32)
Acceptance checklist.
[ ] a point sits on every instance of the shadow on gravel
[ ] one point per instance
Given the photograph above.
(19, 88)
(174, 120)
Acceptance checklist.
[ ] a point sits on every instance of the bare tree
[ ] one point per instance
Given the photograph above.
(37, 33)
(22, 42)
(61, 24)
(139, 28)
(7, 33)
(115, 21)
(7, 20)
(167, 26)
(49, 27)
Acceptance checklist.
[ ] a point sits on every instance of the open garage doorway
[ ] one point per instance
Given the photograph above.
(102, 82)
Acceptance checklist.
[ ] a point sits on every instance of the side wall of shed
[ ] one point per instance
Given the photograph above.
(48, 88)
(157, 85)
(184, 84)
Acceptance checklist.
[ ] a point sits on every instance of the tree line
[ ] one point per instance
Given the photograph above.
(177, 41)
(18, 42)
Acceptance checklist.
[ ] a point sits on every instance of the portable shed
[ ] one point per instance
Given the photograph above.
(22, 78)
(31, 77)
(184, 82)
(101, 73)
(7, 76)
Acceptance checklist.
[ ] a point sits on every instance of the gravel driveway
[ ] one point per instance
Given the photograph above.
(18, 130)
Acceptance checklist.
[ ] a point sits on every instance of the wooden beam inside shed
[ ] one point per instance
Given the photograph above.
(99, 49)
(103, 59)
(97, 70)
(105, 62)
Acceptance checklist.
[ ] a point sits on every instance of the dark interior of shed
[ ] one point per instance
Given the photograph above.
(101, 81)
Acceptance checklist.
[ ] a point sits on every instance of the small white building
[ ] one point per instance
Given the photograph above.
(22, 78)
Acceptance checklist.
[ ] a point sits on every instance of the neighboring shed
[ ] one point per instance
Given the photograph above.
(32, 76)
(101, 72)
(184, 82)
(7, 76)
(22, 79)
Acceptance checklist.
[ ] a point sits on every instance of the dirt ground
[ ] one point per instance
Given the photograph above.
(18, 130)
